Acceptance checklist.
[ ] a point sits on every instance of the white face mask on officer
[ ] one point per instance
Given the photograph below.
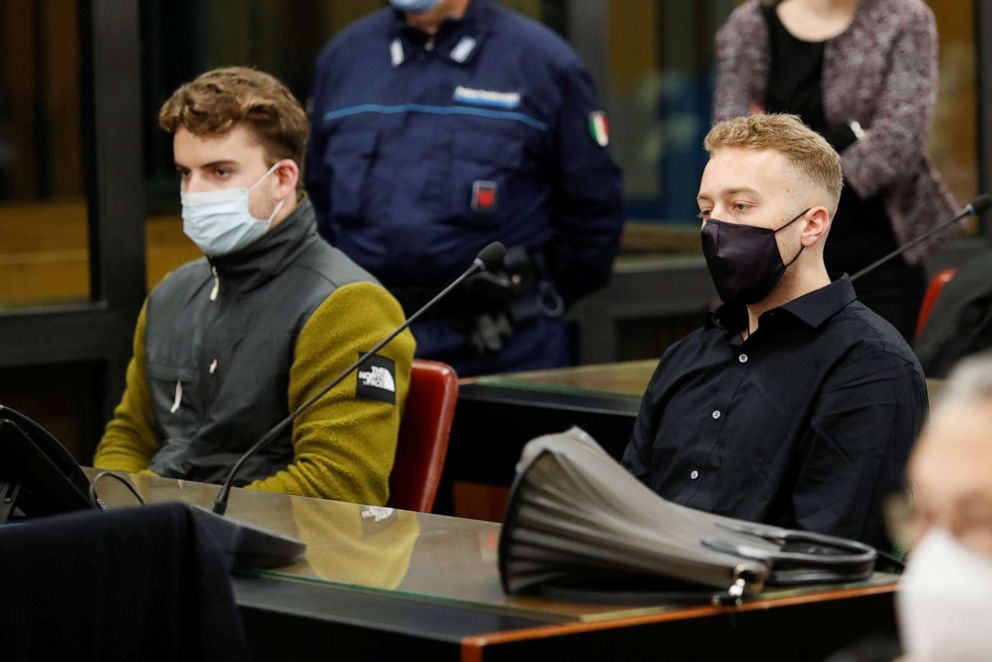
(220, 222)
(945, 601)
(414, 6)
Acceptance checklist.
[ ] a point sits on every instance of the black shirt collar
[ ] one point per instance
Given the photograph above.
(263, 259)
(813, 308)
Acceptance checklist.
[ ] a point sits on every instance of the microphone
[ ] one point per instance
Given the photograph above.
(488, 258)
(977, 206)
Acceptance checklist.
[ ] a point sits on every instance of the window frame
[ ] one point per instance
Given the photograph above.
(99, 330)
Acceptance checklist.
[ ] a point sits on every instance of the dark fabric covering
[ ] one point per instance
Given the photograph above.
(807, 424)
(130, 584)
(795, 74)
(960, 322)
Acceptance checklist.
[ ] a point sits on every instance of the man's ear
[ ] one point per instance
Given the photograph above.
(288, 175)
(817, 225)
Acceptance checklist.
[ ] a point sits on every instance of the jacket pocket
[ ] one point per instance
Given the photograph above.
(174, 393)
(483, 171)
(349, 157)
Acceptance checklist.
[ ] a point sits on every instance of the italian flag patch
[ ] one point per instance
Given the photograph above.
(599, 129)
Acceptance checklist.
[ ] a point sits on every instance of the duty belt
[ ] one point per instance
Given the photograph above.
(491, 305)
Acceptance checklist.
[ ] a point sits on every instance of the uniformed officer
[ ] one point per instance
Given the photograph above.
(439, 126)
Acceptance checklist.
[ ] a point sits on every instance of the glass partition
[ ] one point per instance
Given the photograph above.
(44, 239)
(953, 140)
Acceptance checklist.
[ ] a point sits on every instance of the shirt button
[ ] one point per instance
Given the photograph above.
(716, 414)
(742, 358)
(694, 475)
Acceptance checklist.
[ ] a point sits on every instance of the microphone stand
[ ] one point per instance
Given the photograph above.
(976, 206)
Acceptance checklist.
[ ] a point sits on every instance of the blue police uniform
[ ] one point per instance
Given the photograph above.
(425, 149)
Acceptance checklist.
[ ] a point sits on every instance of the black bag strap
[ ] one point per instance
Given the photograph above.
(803, 556)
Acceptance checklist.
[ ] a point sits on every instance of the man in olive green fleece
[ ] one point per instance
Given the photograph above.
(226, 346)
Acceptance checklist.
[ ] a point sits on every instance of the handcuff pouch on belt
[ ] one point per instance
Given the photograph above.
(511, 298)
(490, 306)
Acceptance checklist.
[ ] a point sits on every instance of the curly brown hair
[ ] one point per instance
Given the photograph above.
(217, 100)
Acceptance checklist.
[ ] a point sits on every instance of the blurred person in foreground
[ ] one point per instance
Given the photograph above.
(944, 603)
(794, 404)
(442, 125)
(227, 345)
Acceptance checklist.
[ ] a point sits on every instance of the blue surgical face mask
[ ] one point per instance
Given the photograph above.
(220, 222)
(414, 6)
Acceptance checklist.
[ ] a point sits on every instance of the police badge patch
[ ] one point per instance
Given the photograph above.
(484, 195)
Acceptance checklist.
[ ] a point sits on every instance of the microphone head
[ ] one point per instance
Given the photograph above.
(980, 204)
(491, 256)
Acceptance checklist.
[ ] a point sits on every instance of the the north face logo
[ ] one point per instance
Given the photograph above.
(377, 377)
(376, 380)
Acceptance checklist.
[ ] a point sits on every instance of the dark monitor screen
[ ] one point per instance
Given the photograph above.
(38, 476)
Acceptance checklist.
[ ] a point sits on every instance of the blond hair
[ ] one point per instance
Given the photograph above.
(219, 99)
(805, 149)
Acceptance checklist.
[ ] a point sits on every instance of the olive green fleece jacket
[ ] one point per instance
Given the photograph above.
(343, 446)
(243, 340)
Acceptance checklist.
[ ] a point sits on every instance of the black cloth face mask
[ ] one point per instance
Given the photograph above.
(744, 260)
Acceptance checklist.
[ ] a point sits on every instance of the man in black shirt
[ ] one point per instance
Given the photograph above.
(795, 404)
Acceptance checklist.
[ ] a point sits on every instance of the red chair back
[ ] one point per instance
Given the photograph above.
(423, 438)
(937, 283)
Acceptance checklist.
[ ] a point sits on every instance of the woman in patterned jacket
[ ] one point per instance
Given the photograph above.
(863, 73)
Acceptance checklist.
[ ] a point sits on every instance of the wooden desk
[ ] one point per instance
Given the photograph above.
(629, 378)
(380, 584)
